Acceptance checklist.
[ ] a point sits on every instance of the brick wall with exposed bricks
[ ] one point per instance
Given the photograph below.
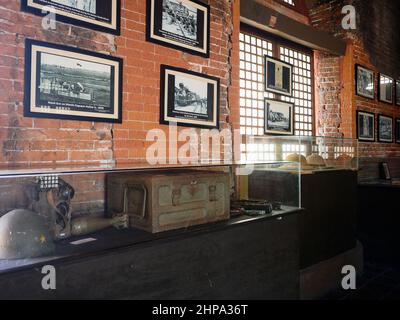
(374, 44)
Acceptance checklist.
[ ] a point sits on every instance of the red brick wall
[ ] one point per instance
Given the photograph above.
(142, 60)
(27, 140)
(338, 102)
(38, 141)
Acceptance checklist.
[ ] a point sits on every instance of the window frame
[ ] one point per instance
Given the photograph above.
(277, 43)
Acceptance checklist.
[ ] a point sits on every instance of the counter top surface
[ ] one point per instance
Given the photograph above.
(381, 183)
(110, 239)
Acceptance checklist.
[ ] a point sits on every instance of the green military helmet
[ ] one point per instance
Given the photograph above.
(24, 234)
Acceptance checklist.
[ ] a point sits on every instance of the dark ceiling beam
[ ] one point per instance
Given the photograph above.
(264, 18)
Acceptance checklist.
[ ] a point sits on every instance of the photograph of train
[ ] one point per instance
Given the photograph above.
(190, 95)
(84, 5)
(72, 82)
(180, 19)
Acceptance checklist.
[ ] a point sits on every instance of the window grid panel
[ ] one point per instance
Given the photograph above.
(291, 2)
(252, 93)
(302, 89)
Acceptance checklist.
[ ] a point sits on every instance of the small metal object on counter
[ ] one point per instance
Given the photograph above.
(253, 207)
(277, 206)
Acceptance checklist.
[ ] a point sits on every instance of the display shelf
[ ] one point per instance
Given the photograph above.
(111, 239)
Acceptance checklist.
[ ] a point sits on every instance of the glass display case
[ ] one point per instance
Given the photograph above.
(295, 158)
(50, 213)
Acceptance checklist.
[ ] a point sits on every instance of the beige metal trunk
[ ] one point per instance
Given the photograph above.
(158, 202)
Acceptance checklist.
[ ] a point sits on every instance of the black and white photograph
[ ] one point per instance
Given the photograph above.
(88, 6)
(101, 15)
(189, 98)
(69, 83)
(385, 89)
(397, 130)
(365, 82)
(385, 129)
(365, 126)
(279, 117)
(181, 24)
(278, 76)
(398, 92)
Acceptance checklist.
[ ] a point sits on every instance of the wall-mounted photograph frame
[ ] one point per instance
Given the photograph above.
(385, 129)
(385, 171)
(100, 15)
(397, 92)
(180, 24)
(365, 82)
(278, 76)
(385, 92)
(68, 83)
(366, 126)
(189, 98)
(397, 130)
(279, 117)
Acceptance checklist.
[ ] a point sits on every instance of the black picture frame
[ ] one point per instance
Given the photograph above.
(362, 83)
(381, 137)
(383, 94)
(397, 92)
(107, 20)
(182, 98)
(56, 87)
(361, 133)
(397, 130)
(385, 171)
(195, 42)
(278, 114)
(285, 81)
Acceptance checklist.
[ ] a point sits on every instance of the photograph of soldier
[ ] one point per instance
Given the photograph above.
(366, 126)
(179, 18)
(365, 83)
(84, 5)
(385, 129)
(67, 82)
(190, 95)
(279, 117)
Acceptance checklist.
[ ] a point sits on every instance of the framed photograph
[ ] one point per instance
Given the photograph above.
(189, 98)
(278, 76)
(365, 82)
(68, 83)
(397, 130)
(385, 89)
(385, 171)
(180, 24)
(385, 129)
(100, 15)
(279, 117)
(398, 92)
(365, 126)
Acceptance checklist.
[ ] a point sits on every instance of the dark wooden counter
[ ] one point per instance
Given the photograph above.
(379, 220)
(244, 258)
(327, 227)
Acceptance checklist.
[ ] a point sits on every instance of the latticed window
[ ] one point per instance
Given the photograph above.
(254, 46)
(253, 49)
